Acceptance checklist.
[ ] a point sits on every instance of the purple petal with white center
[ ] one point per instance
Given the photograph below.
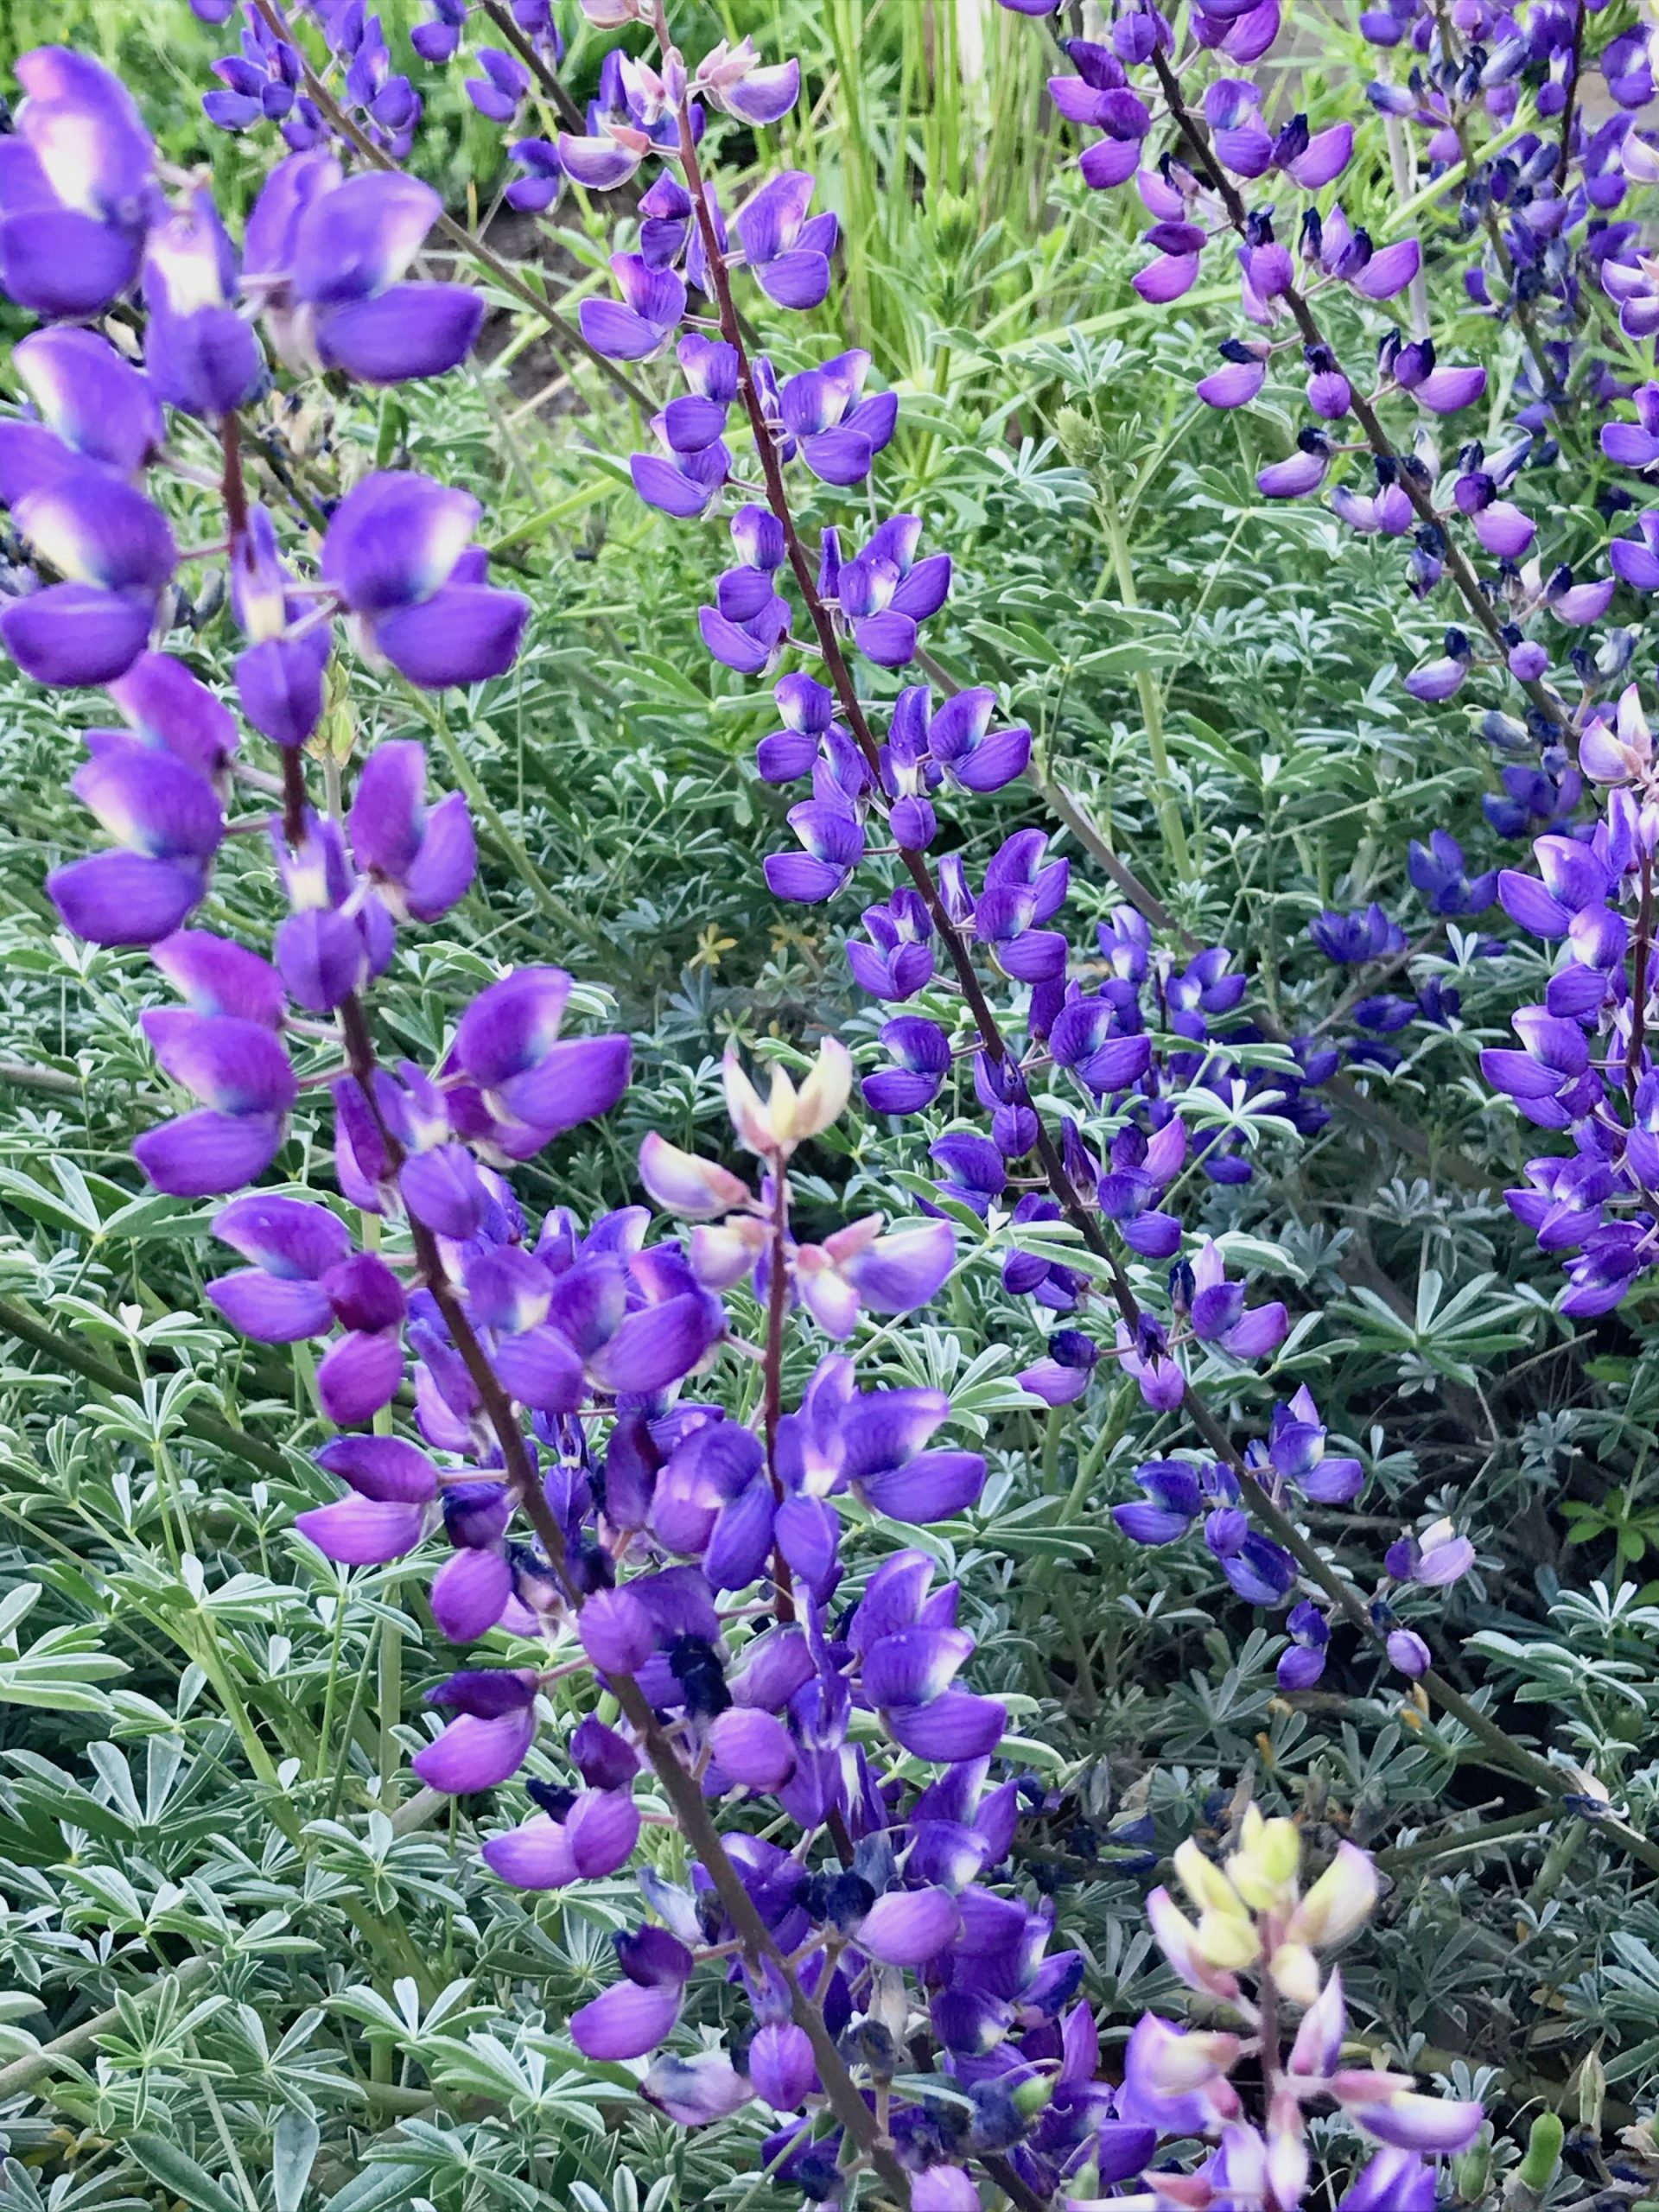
(913, 1666)
(285, 1236)
(361, 237)
(236, 1066)
(1437, 2125)
(602, 164)
(394, 539)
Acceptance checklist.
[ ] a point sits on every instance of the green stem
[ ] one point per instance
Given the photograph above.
(1146, 685)
(17, 1321)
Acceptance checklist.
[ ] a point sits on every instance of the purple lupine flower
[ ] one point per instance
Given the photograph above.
(488, 1739)
(1437, 870)
(838, 431)
(279, 677)
(398, 554)
(1355, 938)
(499, 93)
(885, 593)
(167, 818)
(325, 256)
(200, 355)
(1437, 1558)
(1218, 1313)
(1303, 1661)
(857, 1267)
(116, 554)
(91, 402)
(393, 1488)
(535, 191)
(421, 861)
(643, 322)
(897, 961)
(787, 250)
(240, 1071)
(734, 78)
(921, 1052)
(1295, 1453)
(79, 189)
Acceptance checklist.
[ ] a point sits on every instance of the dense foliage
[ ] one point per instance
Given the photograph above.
(1161, 1390)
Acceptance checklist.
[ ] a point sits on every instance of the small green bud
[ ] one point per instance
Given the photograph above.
(1538, 2169)
(1473, 2170)
(1080, 439)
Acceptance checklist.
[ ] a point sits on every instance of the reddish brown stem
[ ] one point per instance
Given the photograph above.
(1268, 1514)
(1639, 978)
(683, 1790)
(1420, 494)
(772, 1403)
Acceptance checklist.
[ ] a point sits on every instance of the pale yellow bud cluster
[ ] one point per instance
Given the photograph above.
(1252, 1916)
(787, 1117)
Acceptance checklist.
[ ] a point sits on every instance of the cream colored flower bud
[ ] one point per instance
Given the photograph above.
(824, 1095)
(1295, 1971)
(1340, 1901)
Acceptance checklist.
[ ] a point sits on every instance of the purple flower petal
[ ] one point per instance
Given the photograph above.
(362, 1531)
(475, 1754)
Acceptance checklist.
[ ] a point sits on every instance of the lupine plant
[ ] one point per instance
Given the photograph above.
(706, 1582)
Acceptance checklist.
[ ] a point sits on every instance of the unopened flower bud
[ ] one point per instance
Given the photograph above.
(1340, 1901)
